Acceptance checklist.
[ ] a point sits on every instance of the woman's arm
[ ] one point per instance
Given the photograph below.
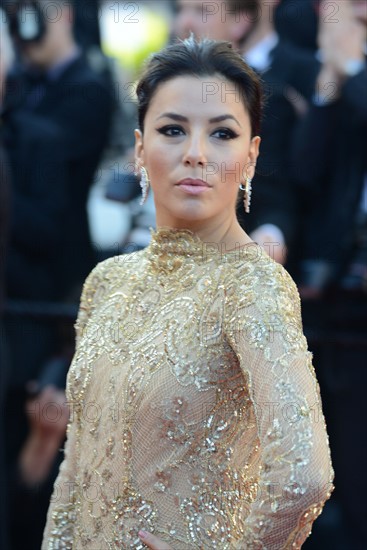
(59, 530)
(263, 325)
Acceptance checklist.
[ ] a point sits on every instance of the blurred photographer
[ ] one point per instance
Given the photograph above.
(54, 85)
(57, 116)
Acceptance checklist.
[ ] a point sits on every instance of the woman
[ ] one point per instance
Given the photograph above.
(196, 417)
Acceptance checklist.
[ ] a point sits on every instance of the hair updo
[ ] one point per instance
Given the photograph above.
(205, 58)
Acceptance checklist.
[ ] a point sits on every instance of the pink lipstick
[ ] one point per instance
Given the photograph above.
(193, 186)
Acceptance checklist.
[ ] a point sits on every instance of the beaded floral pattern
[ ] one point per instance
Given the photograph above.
(196, 413)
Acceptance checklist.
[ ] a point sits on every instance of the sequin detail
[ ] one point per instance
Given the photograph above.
(196, 412)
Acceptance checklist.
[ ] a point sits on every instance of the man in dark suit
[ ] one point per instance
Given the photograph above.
(56, 124)
(54, 86)
(331, 170)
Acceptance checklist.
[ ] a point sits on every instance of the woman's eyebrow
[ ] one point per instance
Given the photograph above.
(174, 116)
(220, 118)
(182, 118)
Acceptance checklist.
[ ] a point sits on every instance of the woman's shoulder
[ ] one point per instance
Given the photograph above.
(262, 300)
(117, 266)
(255, 277)
(111, 272)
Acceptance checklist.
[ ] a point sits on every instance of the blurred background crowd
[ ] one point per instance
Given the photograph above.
(69, 198)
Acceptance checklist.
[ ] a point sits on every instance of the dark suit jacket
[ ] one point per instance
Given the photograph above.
(55, 148)
(37, 216)
(287, 83)
(329, 155)
(273, 198)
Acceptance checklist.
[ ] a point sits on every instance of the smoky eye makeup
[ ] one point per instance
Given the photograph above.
(171, 130)
(225, 134)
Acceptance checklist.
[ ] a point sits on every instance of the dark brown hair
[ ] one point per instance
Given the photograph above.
(205, 58)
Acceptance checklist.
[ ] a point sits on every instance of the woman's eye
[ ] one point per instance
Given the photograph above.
(225, 133)
(171, 131)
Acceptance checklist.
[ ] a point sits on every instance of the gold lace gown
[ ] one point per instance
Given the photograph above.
(195, 410)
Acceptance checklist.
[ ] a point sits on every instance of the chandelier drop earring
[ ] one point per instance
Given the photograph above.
(247, 188)
(144, 184)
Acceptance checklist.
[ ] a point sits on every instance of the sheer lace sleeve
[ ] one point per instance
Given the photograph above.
(59, 528)
(263, 326)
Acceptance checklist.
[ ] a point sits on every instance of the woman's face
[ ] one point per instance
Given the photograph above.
(197, 149)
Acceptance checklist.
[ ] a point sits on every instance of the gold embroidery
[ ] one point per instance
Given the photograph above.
(195, 408)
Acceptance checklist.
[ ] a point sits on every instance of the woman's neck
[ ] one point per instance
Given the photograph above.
(228, 235)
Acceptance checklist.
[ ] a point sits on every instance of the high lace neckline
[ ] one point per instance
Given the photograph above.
(170, 248)
(174, 241)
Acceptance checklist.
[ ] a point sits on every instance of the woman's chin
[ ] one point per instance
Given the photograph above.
(190, 213)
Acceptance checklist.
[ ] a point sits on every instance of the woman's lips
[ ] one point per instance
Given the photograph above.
(193, 187)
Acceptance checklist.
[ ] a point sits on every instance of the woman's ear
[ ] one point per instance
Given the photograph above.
(252, 156)
(139, 147)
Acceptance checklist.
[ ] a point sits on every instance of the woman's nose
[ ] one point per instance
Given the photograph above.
(195, 154)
